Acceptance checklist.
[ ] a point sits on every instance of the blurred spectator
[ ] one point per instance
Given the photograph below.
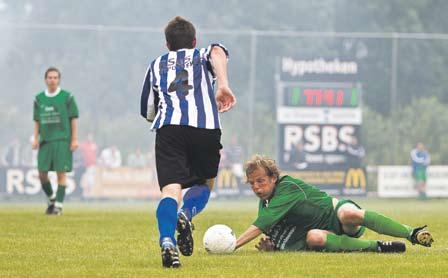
(234, 156)
(137, 159)
(355, 154)
(89, 151)
(297, 156)
(110, 157)
(223, 162)
(420, 161)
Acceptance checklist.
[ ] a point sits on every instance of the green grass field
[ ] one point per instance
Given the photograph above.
(120, 240)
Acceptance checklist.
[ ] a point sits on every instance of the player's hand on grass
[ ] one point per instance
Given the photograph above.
(225, 99)
(35, 144)
(265, 245)
(74, 145)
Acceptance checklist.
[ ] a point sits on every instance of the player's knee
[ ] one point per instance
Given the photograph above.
(61, 177)
(315, 239)
(173, 191)
(350, 215)
(43, 176)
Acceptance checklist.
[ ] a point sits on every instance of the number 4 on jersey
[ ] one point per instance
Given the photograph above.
(180, 83)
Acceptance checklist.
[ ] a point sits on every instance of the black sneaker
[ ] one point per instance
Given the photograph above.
(185, 235)
(56, 211)
(170, 257)
(391, 246)
(50, 207)
(421, 236)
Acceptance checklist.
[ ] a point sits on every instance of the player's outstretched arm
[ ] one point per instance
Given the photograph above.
(251, 233)
(224, 95)
(74, 139)
(35, 144)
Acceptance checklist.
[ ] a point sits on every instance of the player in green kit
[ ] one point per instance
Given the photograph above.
(55, 135)
(297, 216)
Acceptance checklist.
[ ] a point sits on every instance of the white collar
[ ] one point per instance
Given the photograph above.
(181, 49)
(48, 94)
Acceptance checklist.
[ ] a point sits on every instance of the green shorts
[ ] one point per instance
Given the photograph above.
(419, 174)
(330, 223)
(336, 225)
(55, 156)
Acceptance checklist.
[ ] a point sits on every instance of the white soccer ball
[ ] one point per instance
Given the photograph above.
(219, 239)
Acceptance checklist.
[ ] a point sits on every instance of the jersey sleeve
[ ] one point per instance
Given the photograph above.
(147, 98)
(36, 110)
(207, 55)
(283, 201)
(72, 107)
(208, 50)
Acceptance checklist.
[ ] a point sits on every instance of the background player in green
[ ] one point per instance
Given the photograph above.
(55, 135)
(420, 160)
(298, 216)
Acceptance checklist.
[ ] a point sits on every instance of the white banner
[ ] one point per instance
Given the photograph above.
(294, 115)
(397, 182)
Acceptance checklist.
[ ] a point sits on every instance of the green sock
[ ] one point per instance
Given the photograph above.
(343, 243)
(60, 194)
(385, 225)
(46, 187)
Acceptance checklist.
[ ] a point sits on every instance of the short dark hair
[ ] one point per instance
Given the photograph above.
(179, 33)
(52, 69)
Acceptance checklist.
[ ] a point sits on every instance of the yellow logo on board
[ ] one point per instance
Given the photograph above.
(355, 178)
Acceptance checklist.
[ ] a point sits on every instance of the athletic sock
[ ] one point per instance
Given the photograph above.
(195, 200)
(167, 218)
(60, 194)
(46, 187)
(385, 225)
(166, 242)
(336, 243)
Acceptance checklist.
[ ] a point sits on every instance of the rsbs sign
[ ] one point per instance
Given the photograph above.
(319, 118)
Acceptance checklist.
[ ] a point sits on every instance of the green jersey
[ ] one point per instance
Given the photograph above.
(54, 112)
(295, 208)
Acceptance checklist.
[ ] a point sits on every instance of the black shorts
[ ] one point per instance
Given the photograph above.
(187, 155)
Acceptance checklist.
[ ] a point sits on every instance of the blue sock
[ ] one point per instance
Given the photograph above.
(195, 200)
(167, 218)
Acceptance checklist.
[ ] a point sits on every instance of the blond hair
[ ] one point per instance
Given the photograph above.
(266, 163)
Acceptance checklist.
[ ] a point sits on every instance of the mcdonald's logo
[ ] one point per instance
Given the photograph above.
(226, 179)
(355, 178)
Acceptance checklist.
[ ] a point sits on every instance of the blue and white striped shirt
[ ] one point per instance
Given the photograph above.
(178, 89)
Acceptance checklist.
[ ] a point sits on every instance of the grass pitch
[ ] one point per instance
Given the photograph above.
(120, 240)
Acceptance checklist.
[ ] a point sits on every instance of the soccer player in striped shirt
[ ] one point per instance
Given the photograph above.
(178, 98)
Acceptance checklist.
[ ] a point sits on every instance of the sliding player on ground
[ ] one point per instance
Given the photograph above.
(297, 216)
